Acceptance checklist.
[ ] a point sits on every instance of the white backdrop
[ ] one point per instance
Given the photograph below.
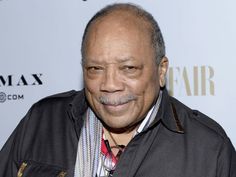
(40, 53)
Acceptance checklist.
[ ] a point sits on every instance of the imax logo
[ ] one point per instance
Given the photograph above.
(21, 80)
(191, 81)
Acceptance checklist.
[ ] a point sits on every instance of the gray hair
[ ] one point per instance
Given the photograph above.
(157, 40)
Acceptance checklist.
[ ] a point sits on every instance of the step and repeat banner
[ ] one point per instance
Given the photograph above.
(40, 53)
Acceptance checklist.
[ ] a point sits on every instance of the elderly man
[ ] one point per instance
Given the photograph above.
(124, 123)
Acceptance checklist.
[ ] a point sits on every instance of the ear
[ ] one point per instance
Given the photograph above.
(162, 68)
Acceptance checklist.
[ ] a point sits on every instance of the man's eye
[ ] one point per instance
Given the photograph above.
(94, 69)
(129, 68)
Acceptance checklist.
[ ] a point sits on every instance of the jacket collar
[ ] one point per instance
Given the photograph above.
(168, 115)
(167, 112)
(79, 105)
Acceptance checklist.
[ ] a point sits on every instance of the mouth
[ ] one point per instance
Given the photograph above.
(116, 108)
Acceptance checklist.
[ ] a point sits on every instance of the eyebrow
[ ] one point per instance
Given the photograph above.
(127, 59)
(119, 60)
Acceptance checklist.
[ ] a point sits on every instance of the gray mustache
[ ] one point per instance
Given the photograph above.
(115, 102)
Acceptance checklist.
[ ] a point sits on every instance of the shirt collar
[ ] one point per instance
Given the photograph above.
(150, 117)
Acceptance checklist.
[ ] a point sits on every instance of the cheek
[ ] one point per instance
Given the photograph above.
(91, 91)
(91, 85)
(145, 85)
(146, 88)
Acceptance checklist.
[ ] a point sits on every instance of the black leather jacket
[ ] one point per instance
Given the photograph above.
(179, 143)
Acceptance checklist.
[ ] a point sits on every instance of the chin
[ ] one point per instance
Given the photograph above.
(117, 127)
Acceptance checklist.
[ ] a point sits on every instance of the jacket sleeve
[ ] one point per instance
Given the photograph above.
(9, 153)
(226, 165)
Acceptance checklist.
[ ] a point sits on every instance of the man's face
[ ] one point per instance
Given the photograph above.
(120, 73)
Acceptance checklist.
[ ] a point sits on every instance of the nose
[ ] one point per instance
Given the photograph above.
(111, 81)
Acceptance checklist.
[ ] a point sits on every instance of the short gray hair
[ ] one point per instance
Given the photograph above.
(157, 40)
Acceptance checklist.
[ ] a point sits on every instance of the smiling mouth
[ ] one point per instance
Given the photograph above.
(116, 107)
(115, 103)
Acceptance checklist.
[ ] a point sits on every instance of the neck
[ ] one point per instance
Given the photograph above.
(118, 138)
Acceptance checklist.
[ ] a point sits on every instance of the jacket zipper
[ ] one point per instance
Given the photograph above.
(62, 174)
(21, 169)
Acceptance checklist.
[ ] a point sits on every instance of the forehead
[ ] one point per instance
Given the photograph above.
(119, 21)
(118, 32)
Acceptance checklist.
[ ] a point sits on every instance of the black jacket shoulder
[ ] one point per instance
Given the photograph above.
(198, 120)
